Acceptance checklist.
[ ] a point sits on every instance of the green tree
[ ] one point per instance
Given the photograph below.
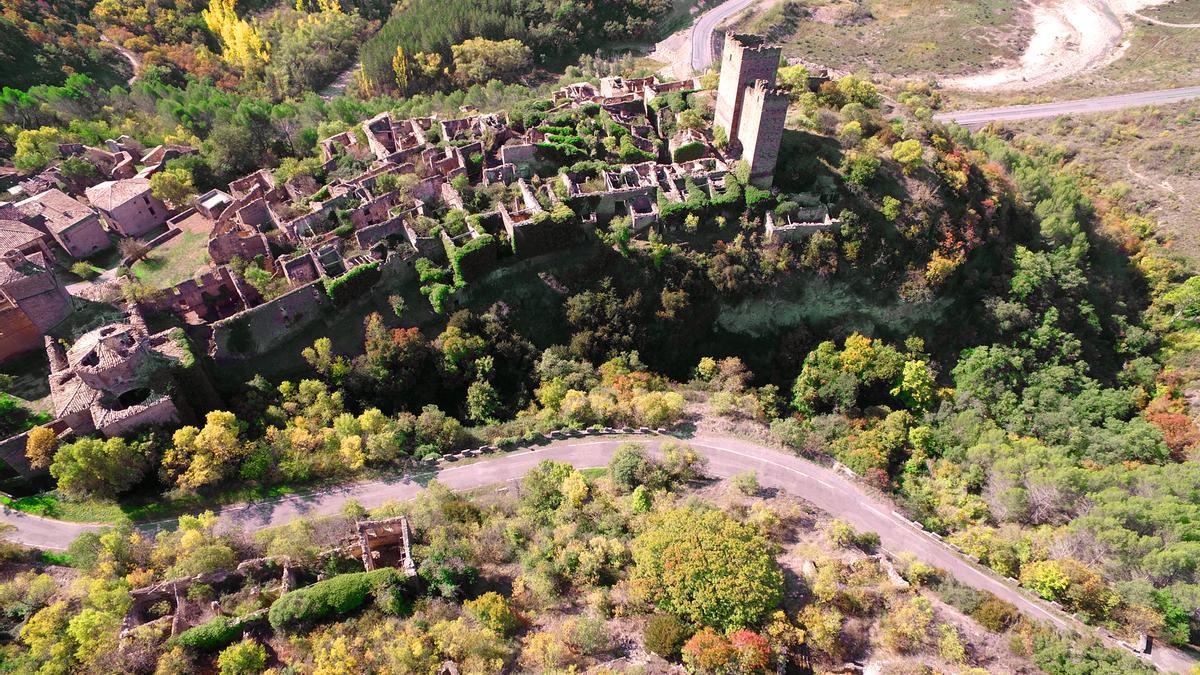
(628, 466)
(91, 467)
(916, 385)
(664, 635)
(909, 154)
(541, 490)
(479, 59)
(703, 566)
(494, 611)
(35, 148)
(483, 403)
(202, 456)
(175, 186)
(40, 446)
(1046, 578)
(244, 658)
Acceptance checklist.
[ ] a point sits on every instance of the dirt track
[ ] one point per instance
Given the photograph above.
(1070, 37)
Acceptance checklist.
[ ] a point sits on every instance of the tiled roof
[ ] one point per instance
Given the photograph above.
(110, 344)
(113, 194)
(15, 234)
(59, 210)
(36, 265)
(71, 394)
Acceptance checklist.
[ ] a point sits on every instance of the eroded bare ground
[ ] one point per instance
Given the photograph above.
(1070, 37)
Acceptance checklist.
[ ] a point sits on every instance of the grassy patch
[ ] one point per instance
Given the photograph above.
(50, 558)
(681, 16)
(175, 261)
(594, 472)
(898, 37)
(50, 506)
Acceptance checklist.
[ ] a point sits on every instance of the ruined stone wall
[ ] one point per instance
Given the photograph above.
(367, 237)
(255, 213)
(189, 295)
(373, 211)
(518, 154)
(269, 324)
(158, 412)
(222, 248)
(533, 239)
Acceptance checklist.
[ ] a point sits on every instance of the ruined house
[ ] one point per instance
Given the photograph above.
(385, 543)
(32, 300)
(798, 225)
(115, 379)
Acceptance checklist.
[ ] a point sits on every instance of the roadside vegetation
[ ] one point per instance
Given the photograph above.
(645, 562)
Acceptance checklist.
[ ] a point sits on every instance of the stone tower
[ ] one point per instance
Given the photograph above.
(744, 60)
(764, 112)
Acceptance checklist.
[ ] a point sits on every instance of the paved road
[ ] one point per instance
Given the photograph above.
(727, 456)
(973, 118)
(702, 30)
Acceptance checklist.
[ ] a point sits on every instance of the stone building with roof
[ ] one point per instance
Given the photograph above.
(115, 379)
(75, 226)
(22, 238)
(128, 206)
(32, 301)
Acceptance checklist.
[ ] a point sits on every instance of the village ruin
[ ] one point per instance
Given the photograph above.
(468, 192)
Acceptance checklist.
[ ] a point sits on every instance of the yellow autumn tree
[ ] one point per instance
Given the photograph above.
(321, 6)
(242, 45)
(400, 65)
(199, 457)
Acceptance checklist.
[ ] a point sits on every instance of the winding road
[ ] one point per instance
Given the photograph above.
(727, 456)
(977, 118)
(702, 30)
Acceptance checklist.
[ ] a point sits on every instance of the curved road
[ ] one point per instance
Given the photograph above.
(726, 456)
(976, 118)
(702, 30)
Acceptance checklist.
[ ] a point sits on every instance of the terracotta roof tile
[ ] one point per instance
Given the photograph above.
(113, 194)
(59, 210)
(15, 234)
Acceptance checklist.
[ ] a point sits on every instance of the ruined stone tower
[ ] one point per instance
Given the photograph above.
(749, 108)
(764, 111)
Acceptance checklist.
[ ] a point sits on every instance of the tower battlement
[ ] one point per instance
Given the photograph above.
(751, 42)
